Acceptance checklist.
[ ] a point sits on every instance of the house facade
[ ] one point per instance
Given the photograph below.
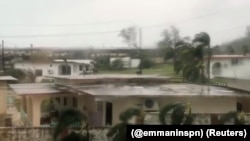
(128, 62)
(58, 68)
(103, 98)
(236, 66)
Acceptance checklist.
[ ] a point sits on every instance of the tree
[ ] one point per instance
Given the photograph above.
(248, 31)
(245, 50)
(216, 50)
(30, 76)
(129, 36)
(167, 45)
(178, 116)
(102, 62)
(66, 119)
(230, 50)
(40, 56)
(16, 73)
(119, 131)
(203, 41)
(117, 64)
(238, 118)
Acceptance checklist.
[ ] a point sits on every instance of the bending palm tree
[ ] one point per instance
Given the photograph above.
(67, 118)
(177, 111)
(119, 131)
(204, 41)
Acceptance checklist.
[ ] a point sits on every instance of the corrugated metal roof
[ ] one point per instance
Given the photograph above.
(33, 88)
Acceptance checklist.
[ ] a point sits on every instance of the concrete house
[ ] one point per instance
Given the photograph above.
(58, 67)
(103, 97)
(229, 66)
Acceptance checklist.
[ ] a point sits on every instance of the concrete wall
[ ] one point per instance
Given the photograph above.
(3, 105)
(3, 96)
(242, 84)
(200, 105)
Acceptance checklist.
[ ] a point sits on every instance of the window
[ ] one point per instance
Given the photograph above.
(74, 102)
(64, 70)
(239, 107)
(80, 67)
(58, 99)
(38, 72)
(64, 101)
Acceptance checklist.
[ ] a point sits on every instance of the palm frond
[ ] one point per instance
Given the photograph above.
(166, 109)
(75, 137)
(67, 118)
(228, 116)
(128, 114)
(178, 115)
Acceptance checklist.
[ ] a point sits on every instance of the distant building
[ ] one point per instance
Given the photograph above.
(127, 62)
(102, 98)
(229, 66)
(58, 67)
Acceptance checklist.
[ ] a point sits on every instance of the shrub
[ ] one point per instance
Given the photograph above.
(117, 64)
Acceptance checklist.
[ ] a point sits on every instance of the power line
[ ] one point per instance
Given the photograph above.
(105, 32)
(81, 24)
(59, 35)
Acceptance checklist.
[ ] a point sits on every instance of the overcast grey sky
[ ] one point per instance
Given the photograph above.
(224, 20)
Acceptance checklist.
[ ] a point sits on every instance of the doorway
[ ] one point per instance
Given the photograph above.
(109, 113)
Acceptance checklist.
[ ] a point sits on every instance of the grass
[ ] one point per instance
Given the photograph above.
(163, 70)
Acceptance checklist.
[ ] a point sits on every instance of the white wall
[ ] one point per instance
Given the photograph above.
(128, 62)
(46, 67)
(201, 105)
(135, 63)
(240, 70)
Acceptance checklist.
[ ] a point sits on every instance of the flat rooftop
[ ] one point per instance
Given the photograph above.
(7, 78)
(106, 76)
(128, 90)
(157, 90)
(34, 88)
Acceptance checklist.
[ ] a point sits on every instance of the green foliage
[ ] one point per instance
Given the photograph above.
(103, 62)
(75, 137)
(237, 43)
(245, 50)
(203, 38)
(117, 64)
(230, 50)
(178, 115)
(169, 53)
(238, 118)
(146, 63)
(129, 36)
(30, 76)
(170, 38)
(66, 119)
(16, 73)
(119, 131)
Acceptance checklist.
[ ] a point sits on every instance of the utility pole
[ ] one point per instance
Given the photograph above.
(3, 62)
(140, 51)
(31, 48)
